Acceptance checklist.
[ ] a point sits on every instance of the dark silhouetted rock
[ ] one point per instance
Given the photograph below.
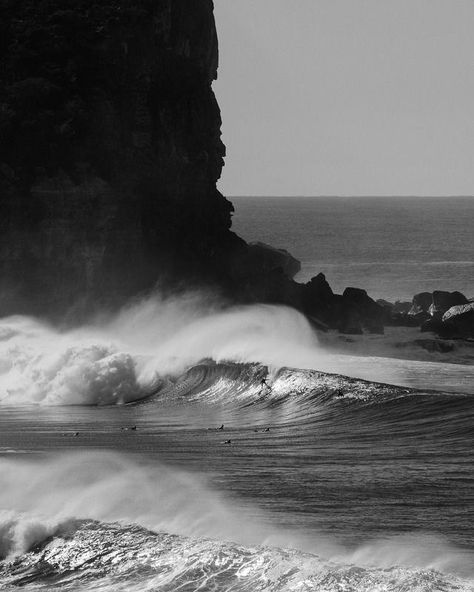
(319, 289)
(269, 259)
(110, 152)
(458, 321)
(401, 307)
(434, 325)
(396, 315)
(350, 322)
(420, 306)
(318, 300)
(443, 301)
(357, 304)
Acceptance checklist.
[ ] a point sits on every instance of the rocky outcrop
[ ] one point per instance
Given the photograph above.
(351, 313)
(420, 306)
(268, 259)
(443, 301)
(110, 151)
(359, 309)
(458, 321)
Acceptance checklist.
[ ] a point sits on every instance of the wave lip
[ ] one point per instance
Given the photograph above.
(128, 557)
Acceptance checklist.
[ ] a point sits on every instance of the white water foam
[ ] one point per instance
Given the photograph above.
(118, 359)
(37, 496)
(44, 496)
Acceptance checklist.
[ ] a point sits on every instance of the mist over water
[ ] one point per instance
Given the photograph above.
(46, 497)
(123, 358)
(113, 466)
(119, 359)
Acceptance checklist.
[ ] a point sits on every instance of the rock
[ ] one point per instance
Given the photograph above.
(397, 314)
(443, 301)
(318, 299)
(358, 305)
(270, 259)
(350, 323)
(434, 325)
(458, 321)
(319, 289)
(385, 304)
(110, 152)
(420, 306)
(401, 307)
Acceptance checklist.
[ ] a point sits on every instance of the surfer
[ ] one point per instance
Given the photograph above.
(221, 428)
(264, 385)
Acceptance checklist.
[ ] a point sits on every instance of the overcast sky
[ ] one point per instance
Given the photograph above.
(347, 97)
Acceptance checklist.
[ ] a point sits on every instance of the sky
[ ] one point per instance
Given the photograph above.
(347, 97)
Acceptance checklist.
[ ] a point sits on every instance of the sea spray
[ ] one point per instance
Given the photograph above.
(51, 500)
(111, 486)
(123, 358)
(119, 359)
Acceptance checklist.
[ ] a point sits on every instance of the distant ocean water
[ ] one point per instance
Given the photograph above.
(393, 247)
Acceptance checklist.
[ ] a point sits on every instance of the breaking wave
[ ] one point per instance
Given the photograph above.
(88, 521)
(126, 358)
(99, 519)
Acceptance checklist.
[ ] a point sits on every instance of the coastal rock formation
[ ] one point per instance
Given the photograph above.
(110, 151)
(268, 259)
(458, 321)
(420, 306)
(443, 301)
(358, 306)
(351, 313)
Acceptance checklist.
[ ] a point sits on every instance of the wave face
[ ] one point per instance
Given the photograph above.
(183, 445)
(86, 555)
(145, 528)
(122, 359)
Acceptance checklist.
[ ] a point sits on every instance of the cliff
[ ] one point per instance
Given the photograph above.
(110, 151)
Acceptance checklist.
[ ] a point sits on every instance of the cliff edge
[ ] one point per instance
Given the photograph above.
(110, 150)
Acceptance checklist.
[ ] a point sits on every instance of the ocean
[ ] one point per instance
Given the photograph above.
(182, 445)
(392, 247)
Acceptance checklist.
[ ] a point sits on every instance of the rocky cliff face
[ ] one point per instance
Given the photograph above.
(110, 151)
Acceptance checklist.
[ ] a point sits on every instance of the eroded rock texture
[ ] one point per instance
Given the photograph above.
(110, 151)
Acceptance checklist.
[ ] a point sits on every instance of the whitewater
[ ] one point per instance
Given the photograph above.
(185, 444)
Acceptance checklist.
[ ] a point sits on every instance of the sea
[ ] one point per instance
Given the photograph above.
(393, 247)
(183, 444)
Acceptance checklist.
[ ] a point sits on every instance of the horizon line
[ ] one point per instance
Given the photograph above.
(344, 196)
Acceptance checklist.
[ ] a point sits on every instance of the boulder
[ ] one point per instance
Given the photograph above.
(401, 307)
(269, 259)
(443, 301)
(434, 325)
(318, 298)
(420, 305)
(459, 320)
(396, 315)
(350, 323)
(358, 305)
(319, 289)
